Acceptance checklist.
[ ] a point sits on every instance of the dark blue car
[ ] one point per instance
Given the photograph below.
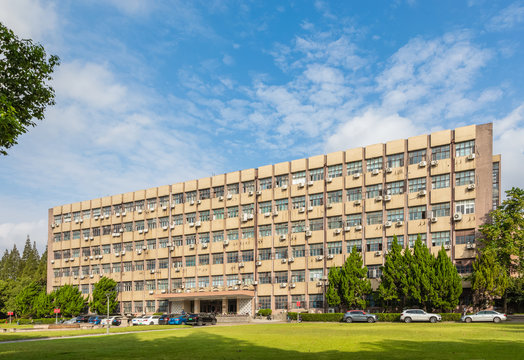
(95, 320)
(178, 320)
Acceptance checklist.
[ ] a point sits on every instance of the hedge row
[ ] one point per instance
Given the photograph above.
(387, 317)
(37, 321)
(265, 312)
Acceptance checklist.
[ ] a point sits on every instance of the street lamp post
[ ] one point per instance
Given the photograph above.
(108, 323)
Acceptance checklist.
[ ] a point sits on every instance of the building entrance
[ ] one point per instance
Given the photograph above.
(232, 306)
(211, 306)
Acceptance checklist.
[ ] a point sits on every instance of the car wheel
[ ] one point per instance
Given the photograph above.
(432, 319)
(468, 320)
(371, 320)
(214, 322)
(496, 319)
(151, 323)
(349, 320)
(407, 320)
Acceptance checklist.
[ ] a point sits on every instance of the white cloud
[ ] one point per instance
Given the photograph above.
(29, 19)
(507, 18)
(16, 233)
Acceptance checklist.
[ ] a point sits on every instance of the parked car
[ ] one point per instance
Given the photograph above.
(151, 320)
(359, 315)
(164, 319)
(419, 315)
(177, 319)
(70, 321)
(486, 315)
(137, 321)
(113, 320)
(95, 320)
(82, 318)
(201, 319)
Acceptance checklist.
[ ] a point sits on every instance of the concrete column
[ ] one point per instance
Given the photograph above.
(197, 306)
(224, 306)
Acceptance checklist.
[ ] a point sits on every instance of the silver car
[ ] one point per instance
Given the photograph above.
(485, 315)
(419, 315)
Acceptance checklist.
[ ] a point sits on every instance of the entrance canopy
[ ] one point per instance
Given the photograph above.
(208, 295)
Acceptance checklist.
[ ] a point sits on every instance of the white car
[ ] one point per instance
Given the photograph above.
(137, 321)
(486, 315)
(112, 319)
(150, 320)
(410, 315)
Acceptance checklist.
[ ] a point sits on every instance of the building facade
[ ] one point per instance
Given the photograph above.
(266, 237)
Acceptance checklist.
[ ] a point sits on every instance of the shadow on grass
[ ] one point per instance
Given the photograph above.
(197, 344)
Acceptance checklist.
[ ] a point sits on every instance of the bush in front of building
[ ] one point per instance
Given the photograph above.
(388, 317)
(264, 312)
(451, 316)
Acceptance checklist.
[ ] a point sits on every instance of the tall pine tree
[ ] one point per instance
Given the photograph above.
(332, 296)
(393, 286)
(354, 284)
(448, 283)
(421, 277)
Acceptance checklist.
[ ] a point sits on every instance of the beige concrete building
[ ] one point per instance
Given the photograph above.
(266, 237)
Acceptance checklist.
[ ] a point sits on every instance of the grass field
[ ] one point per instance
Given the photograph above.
(291, 341)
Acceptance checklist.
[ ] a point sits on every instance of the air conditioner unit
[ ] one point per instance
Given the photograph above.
(172, 226)
(91, 257)
(82, 277)
(198, 223)
(121, 230)
(259, 263)
(239, 282)
(76, 221)
(52, 261)
(173, 205)
(164, 227)
(471, 156)
(457, 216)
(310, 183)
(139, 211)
(107, 216)
(399, 223)
(75, 277)
(199, 202)
(241, 265)
(300, 185)
(52, 226)
(378, 198)
(192, 202)
(250, 216)
(389, 170)
(422, 164)
(358, 227)
(320, 258)
(319, 283)
(387, 224)
(72, 259)
(124, 213)
(140, 231)
(178, 290)
(447, 247)
(164, 207)
(191, 224)
(91, 238)
(244, 218)
(250, 193)
(177, 269)
(86, 238)
(117, 254)
(422, 193)
(66, 259)
(337, 231)
(85, 258)
(255, 283)
(357, 202)
(308, 233)
(434, 219)
(347, 228)
(329, 179)
(470, 245)
(330, 257)
(229, 196)
(144, 247)
(329, 205)
(283, 285)
(306, 228)
(283, 237)
(471, 187)
(220, 198)
(378, 253)
(434, 162)
(117, 214)
(301, 210)
(310, 208)
(387, 197)
(356, 175)
(284, 187)
(151, 292)
(163, 291)
(291, 259)
(96, 217)
(226, 242)
(152, 271)
(191, 246)
(284, 261)
(375, 172)
(267, 214)
(275, 213)
(204, 246)
(259, 192)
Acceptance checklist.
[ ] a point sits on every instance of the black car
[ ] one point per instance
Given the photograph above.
(82, 318)
(164, 319)
(201, 319)
(359, 315)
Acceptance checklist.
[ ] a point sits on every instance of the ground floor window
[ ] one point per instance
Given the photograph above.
(163, 305)
(281, 302)
(139, 307)
(316, 301)
(150, 306)
(298, 301)
(264, 302)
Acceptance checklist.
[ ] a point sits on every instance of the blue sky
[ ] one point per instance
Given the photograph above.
(156, 92)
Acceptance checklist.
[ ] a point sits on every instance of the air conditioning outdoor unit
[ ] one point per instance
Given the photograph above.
(152, 271)
(387, 224)
(378, 253)
(358, 227)
(387, 197)
(259, 192)
(422, 164)
(375, 172)
(76, 221)
(300, 185)
(255, 283)
(457, 216)
(291, 259)
(229, 196)
(91, 276)
(144, 247)
(177, 269)
(310, 183)
(91, 257)
(192, 202)
(471, 187)
(447, 247)
(329, 179)
(434, 219)
(121, 230)
(259, 263)
(239, 282)
(283, 237)
(275, 213)
(329, 205)
(164, 227)
(241, 265)
(471, 156)
(310, 208)
(284, 187)
(389, 170)
(82, 277)
(163, 291)
(191, 224)
(301, 210)
(52, 226)
(434, 162)
(198, 223)
(151, 292)
(204, 246)
(66, 259)
(226, 242)
(470, 245)
(85, 258)
(139, 211)
(330, 256)
(140, 231)
(308, 233)
(172, 226)
(72, 259)
(139, 252)
(283, 285)
(250, 216)
(357, 202)
(356, 175)
(117, 214)
(191, 246)
(319, 283)
(86, 238)
(292, 285)
(347, 228)
(284, 261)
(422, 193)
(173, 205)
(268, 214)
(52, 261)
(91, 238)
(96, 217)
(250, 193)
(220, 198)
(117, 254)
(399, 223)
(337, 231)
(378, 198)
(320, 258)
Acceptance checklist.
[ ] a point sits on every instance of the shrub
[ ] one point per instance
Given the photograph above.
(39, 321)
(330, 317)
(265, 312)
(451, 316)
(390, 317)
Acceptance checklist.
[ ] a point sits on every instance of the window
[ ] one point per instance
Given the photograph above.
(465, 206)
(316, 301)
(374, 164)
(264, 230)
(178, 198)
(163, 263)
(265, 207)
(281, 302)
(315, 274)
(415, 157)
(107, 211)
(465, 177)
(467, 237)
(316, 174)
(299, 251)
(298, 226)
(281, 277)
(232, 234)
(395, 215)
(96, 231)
(232, 188)
(139, 265)
(248, 209)
(67, 235)
(374, 271)
(298, 202)
(464, 268)
(218, 191)
(440, 181)
(177, 262)
(218, 214)
(178, 241)
(372, 191)
(357, 244)
(334, 222)
(354, 194)
(204, 215)
(151, 244)
(415, 185)
(232, 257)
(316, 249)
(298, 276)
(374, 218)
(139, 225)
(440, 152)
(266, 183)
(203, 259)
(139, 285)
(204, 194)
(354, 220)
(178, 219)
(299, 177)
(106, 249)
(334, 248)
(190, 283)
(190, 261)
(264, 254)
(281, 204)
(218, 236)
(335, 171)
(128, 266)
(151, 264)
(400, 241)
(281, 180)
(190, 239)
(281, 229)
(264, 302)
(395, 160)
(465, 148)
(76, 234)
(334, 197)
(232, 279)
(57, 219)
(354, 167)
(248, 186)
(203, 282)
(248, 233)
(374, 244)
(281, 253)
(440, 210)
(57, 237)
(316, 224)
(151, 204)
(248, 255)
(218, 259)
(191, 196)
(440, 238)
(316, 199)
(264, 278)
(232, 212)
(217, 280)
(190, 218)
(417, 212)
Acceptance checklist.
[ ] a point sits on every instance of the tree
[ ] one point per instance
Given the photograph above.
(41, 271)
(421, 276)
(25, 300)
(332, 297)
(504, 233)
(25, 71)
(11, 266)
(98, 303)
(354, 284)
(488, 280)
(448, 283)
(393, 286)
(43, 304)
(30, 260)
(515, 294)
(69, 300)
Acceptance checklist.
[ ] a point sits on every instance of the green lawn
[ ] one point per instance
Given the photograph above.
(292, 341)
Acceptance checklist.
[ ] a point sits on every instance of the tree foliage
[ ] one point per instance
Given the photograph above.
(488, 281)
(98, 303)
(25, 70)
(448, 283)
(69, 300)
(393, 287)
